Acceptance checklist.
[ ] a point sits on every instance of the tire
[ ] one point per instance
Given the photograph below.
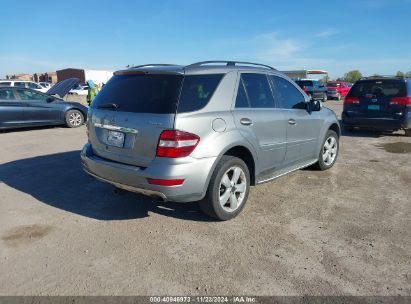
(74, 118)
(224, 174)
(333, 141)
(407, 132)
(325, 97)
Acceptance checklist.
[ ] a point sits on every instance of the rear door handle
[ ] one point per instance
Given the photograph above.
(246, 121)
(292, 122)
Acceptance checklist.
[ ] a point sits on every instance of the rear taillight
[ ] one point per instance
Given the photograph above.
(175, 143)
(351, 100)
(401, 101)
(165, 182)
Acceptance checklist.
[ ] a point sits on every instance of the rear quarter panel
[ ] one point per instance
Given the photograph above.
(214, 123)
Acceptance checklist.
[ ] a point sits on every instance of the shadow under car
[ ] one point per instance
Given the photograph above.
(59, 181)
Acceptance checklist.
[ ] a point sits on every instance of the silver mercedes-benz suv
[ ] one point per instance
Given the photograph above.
(205, 132)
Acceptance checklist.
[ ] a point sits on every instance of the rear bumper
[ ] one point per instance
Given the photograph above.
(195, 173)
(332, 94)
(377, 123)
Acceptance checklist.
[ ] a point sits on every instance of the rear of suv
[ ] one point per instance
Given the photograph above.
(313, 88)
(382, 103)
(205, 132)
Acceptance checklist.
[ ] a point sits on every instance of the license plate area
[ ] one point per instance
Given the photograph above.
(115, 139)
(373, 107)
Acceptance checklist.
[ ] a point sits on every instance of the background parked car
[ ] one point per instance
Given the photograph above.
(21, 107)
(79, 90)
(337, 89)
(23, 84)
(379, 103)
(46, 85)
(313, 88)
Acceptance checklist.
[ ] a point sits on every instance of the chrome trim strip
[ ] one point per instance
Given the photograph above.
(129, 188)
(292, 170)
(116, 128)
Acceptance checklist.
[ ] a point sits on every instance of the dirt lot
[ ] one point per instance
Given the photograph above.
(343, 231)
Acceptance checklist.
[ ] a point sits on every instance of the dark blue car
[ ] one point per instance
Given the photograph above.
(21, 107)
(379, 103)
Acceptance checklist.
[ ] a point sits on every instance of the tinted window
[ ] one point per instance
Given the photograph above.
(32, 85)
(20, 84)
(197, 91)
(31, 95)
(141, 93)
(304, 83)
(258, 90)
(378, 88)
(241, 100)
(5, 84)
(6, 94)
(290, 97)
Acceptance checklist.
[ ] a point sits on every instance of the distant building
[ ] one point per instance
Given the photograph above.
(45, 77)
(97, 76)
(20, 76)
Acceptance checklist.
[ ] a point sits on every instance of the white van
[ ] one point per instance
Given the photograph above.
(23, 84)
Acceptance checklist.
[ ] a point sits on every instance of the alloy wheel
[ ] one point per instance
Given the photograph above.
(232, 189)
(330, 150)
(75, 119)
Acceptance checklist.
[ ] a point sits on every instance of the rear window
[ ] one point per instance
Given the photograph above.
(158, 93)
(378, 88)
(141, 93)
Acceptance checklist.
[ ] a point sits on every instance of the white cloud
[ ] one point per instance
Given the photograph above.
(277, 47)
(327, 33)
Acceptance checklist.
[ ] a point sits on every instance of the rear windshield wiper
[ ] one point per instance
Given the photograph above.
(108, 105)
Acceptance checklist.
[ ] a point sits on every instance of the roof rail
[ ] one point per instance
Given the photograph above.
(230, 63)
(151, 64)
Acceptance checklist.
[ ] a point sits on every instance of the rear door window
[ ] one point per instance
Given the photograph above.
(241, 100)
(289, 96)
(141, 93)
(257, 89)
(378, 89)
(197, 91)
(5, 84)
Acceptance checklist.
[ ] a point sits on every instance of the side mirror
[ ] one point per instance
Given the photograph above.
(50, 99)
(314, 105)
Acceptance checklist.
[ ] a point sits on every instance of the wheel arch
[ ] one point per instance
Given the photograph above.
(241, 151)
(336, 128)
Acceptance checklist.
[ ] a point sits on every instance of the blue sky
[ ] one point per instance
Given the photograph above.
(371, 35)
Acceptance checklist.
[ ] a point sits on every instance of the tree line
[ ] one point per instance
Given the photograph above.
(354, 75)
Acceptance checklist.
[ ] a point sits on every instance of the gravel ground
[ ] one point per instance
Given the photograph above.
(346, 231)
